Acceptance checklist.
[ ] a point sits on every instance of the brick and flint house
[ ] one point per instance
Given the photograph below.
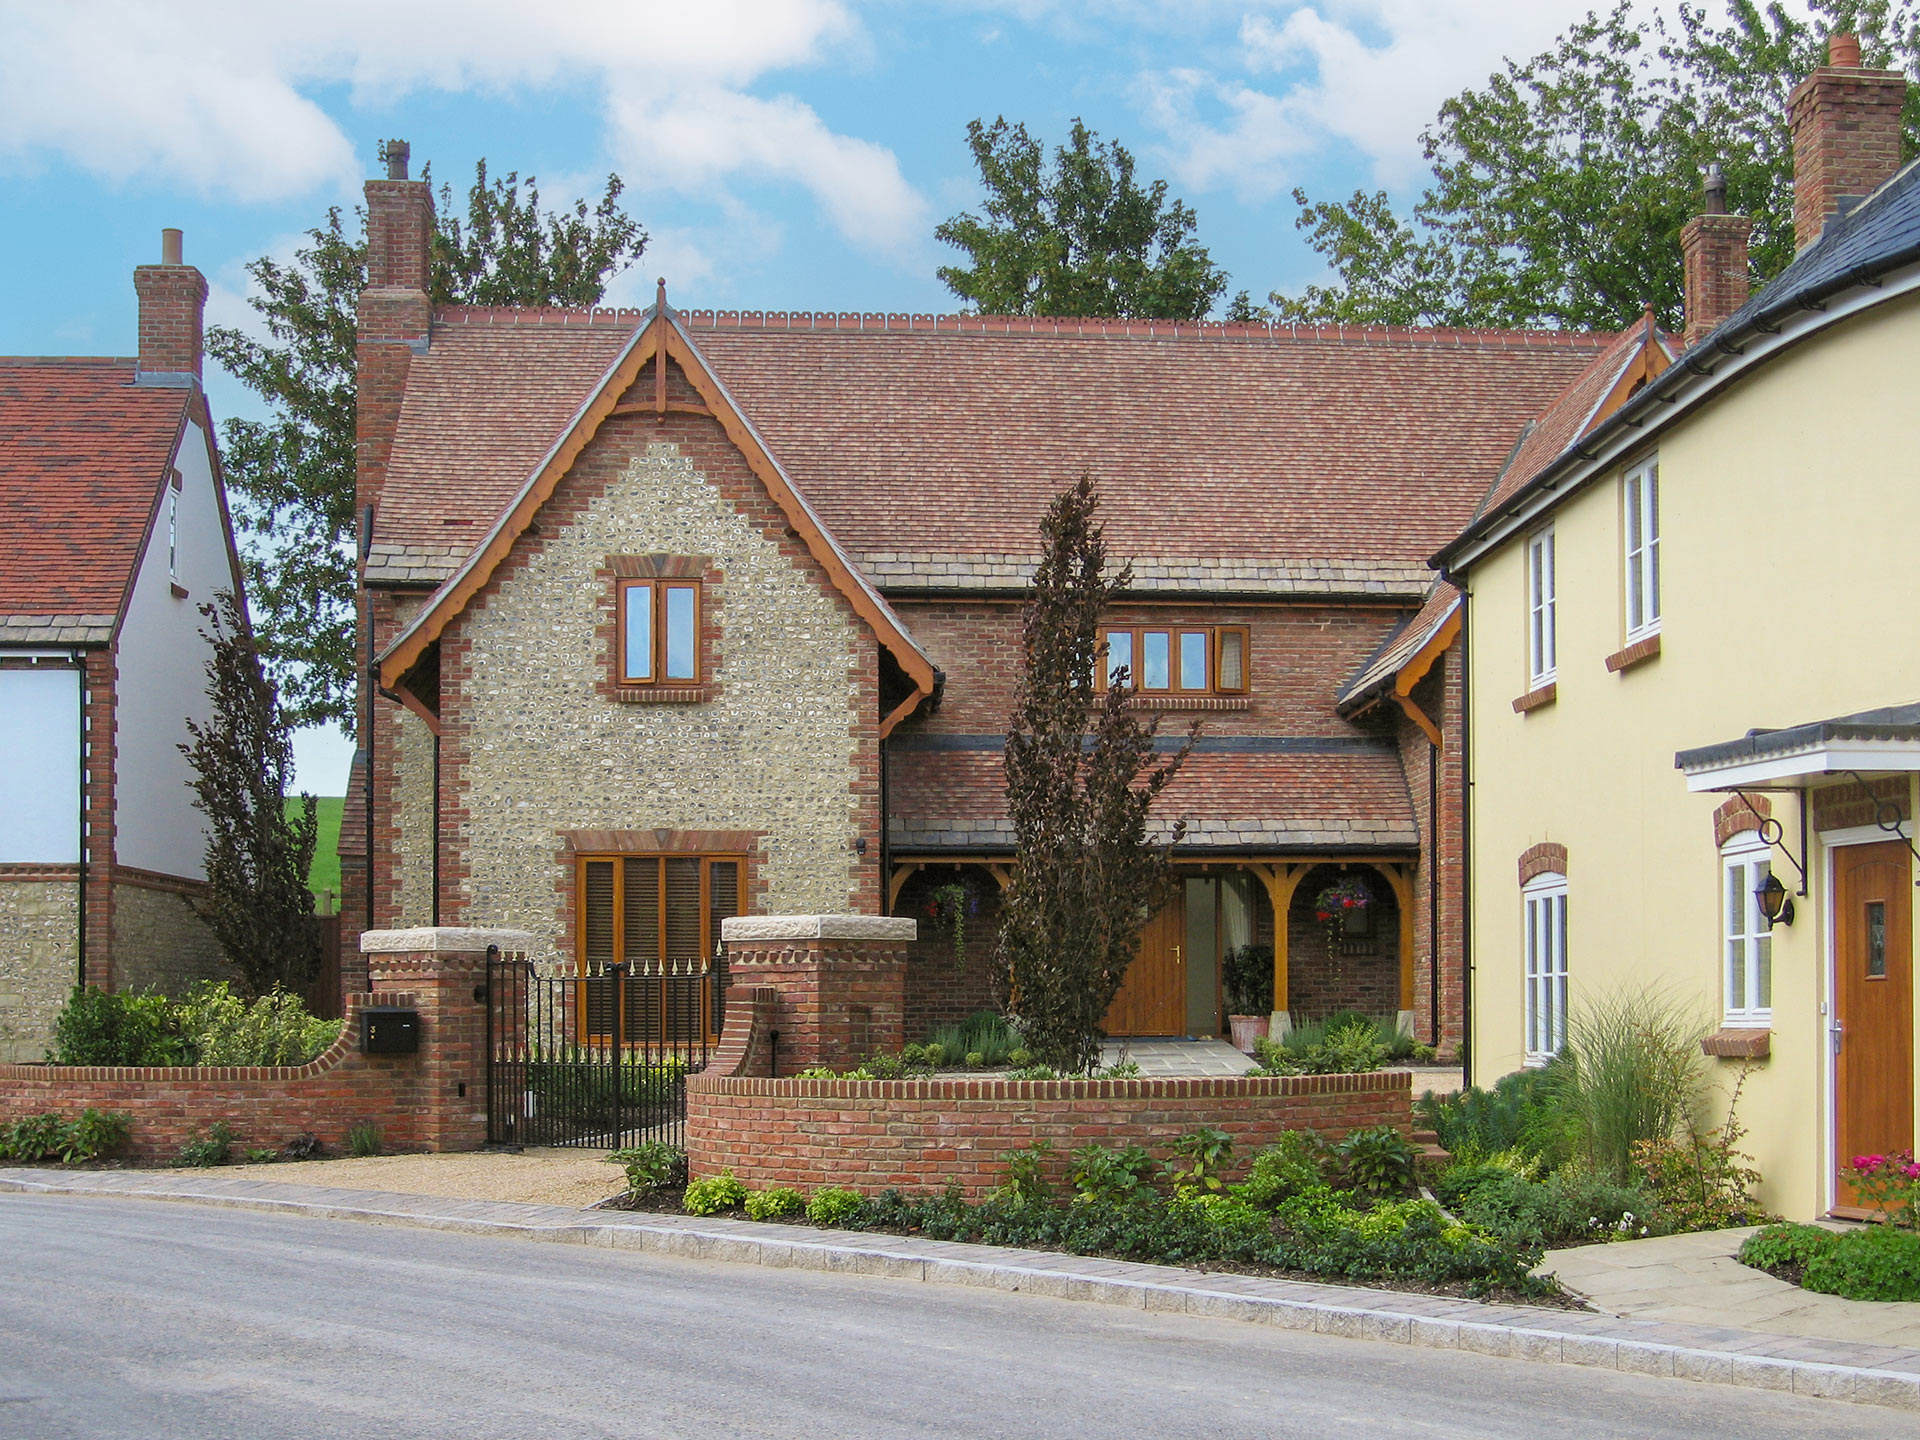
(675, 615)
(113, 532)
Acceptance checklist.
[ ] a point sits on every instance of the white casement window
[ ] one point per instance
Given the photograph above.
(1545, 898)
(1642, 501)
(1746, 942)
(1542, 641)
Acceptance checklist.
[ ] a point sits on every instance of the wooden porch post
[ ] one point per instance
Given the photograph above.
(1281, 881)
(1400, 877)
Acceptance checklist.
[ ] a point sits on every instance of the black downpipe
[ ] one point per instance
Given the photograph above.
(436, 830)
(885, 847)
(78, 658)
(1466, 841)
(1434, 873)
(366, 548)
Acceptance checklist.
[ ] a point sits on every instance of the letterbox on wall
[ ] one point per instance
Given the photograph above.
(389, 1030)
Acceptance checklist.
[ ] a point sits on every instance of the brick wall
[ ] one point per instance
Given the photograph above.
(173, 299)
(1846, 124)
(839, 983)
(924, 1135)
(940, 988)
(1319, 981)
(432, 1100)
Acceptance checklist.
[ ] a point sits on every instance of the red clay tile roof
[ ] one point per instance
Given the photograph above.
(1353, 796)
(1574, 412)
(950, 435)
(83, 454)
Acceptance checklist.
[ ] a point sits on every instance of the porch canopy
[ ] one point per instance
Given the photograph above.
(1869, 743)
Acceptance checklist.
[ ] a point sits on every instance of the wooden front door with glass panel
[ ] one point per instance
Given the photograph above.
(659, 917)
(1873, 1005)
(1153, 997)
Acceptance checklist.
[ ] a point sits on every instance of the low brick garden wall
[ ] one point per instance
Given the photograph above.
(921, 1136)
(434, 1099)
(266, 1105)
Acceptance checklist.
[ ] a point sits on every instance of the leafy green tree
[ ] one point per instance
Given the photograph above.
(1075, 237)
(259, 850)
(1087, 876)
(1560, 187)
(292, 476)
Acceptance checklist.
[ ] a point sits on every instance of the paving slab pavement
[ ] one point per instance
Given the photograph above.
(1695, 1279)
(1865, 1373)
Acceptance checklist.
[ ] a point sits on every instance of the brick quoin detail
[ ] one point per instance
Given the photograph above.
(1737, 815)
(416, 1101)
(1546, 858)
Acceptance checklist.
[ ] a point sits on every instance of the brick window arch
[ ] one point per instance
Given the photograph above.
(1546, 858)
(1737, 815)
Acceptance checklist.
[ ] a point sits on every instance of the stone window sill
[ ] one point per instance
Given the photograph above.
(1737, 1043)
(1638, 653)
(179, 590)
(1534, 699)
(664, 694)
(1189, 702)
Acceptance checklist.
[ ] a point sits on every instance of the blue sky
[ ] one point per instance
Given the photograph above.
(783, 154)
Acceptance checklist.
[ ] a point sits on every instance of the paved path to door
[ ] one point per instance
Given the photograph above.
(1695, 1280)
(1189, 1058)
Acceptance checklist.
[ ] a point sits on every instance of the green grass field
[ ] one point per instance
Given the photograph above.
(325, 874)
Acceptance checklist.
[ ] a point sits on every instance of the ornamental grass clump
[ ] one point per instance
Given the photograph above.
(1635, 1076)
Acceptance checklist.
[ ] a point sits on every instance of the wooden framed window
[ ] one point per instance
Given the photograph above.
(1745, 864)
(1640, 496)
(1545, 920)
(1177, 659)
(659, 632)
(1542, 638)
(659, 916)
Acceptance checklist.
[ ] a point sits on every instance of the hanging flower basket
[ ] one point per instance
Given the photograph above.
(1346, 898)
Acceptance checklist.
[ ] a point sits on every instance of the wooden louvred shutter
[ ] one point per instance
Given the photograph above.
(683, 909)
(596, 913)
(642, 915)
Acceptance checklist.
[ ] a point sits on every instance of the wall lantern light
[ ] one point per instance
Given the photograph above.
(1776, 906)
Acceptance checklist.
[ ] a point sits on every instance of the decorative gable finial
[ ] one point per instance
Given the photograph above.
(660, 296)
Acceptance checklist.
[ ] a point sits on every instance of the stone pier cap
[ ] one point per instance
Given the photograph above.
(819, 927)
(443, 940)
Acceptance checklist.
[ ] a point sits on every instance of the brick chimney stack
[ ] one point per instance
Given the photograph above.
(173, 305)
(1846, 136)
(1713, 252)
(395, 315)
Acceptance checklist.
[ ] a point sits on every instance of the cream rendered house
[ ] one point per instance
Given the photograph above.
(1692, 676)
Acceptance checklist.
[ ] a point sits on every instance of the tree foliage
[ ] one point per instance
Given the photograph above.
(1088, 877)
(1560, 186)
(1077, 236)
(258, 856)
(292, 476)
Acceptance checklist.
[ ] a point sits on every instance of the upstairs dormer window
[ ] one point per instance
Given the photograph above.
(1641, 496)
(659, 640)
(1177, 659)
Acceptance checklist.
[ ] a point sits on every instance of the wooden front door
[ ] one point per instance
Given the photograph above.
(1153, 997)
(1873, 995)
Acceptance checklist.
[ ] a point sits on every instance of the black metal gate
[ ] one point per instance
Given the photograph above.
(596, 1056)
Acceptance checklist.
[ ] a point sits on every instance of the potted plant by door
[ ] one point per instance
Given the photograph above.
(1247, 977)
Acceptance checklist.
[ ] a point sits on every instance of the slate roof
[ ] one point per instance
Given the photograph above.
(1889, 722)
(1877, 237)
(1237, 794)
(83, 454)
(1335, 458)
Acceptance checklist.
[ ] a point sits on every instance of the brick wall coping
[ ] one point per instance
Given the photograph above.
(819, 927)
(1141, 1088)
(442, 940)
(348, 1043)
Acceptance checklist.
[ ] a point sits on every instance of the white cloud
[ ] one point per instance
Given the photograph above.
(214, 94)
(1366, 73)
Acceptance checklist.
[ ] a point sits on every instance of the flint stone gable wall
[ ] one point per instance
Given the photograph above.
(533, 742)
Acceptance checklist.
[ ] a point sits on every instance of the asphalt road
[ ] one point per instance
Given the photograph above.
(142, 1319)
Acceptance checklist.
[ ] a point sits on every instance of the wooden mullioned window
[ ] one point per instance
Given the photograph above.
(659, 917)
(1177, 659)
(658, 632)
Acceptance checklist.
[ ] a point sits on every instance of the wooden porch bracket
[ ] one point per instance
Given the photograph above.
(897, 882)
(1400, 877)
(1281, 881)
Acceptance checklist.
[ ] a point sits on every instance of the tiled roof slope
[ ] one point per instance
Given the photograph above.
(1401, 645)
(1344, 800)
(1574, 412)
(83, 453)
(948, 435)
